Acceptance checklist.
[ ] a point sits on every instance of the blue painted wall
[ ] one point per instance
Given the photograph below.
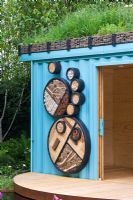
(87, 60)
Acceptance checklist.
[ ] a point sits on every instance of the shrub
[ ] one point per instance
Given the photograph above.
(5, 157)
(15, 153)
(6, 182)
(7, 170)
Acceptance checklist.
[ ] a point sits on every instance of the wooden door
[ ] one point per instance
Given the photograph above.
(101, 122)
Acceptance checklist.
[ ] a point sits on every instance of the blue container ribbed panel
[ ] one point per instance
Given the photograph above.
(42, 121)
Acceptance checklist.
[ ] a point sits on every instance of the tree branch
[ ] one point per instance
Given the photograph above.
(20, 101)
(4, 108)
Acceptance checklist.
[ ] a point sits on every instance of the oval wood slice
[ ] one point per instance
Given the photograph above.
(69, 151)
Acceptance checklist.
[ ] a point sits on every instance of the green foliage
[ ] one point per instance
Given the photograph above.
(6, 182)
(7, 170)
(14, 159)
(14, 155)
(8, 195)
(4, 157)
(15, 75)
(111, 28)
(91, 20)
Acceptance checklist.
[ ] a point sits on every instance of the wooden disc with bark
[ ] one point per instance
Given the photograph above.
(54, 67)
(77, 98)
(72, 73)
(77, 85)
(72, 109)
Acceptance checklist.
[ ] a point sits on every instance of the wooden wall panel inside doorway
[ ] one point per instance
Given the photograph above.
(108, 75)
(118, 116)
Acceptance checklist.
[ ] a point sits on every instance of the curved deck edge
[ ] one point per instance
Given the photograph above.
(39, 195)
(46, 187)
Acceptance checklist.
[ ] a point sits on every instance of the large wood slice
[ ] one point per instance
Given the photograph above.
(56, 97)
(69, 145)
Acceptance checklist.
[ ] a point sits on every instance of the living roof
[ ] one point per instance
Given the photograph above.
(112, 39)
(92, 20)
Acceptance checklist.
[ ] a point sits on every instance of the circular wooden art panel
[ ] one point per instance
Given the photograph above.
(69, 145)
(56, 97)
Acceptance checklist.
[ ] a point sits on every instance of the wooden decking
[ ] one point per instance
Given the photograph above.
(119, 185)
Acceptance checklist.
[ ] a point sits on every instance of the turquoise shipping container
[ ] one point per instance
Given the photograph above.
(87, 60)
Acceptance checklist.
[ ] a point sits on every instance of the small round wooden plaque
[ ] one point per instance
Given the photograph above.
(69, 151)
(56, 97)
(77, 85)
(72, 73)
(77, 98)
(60, 126)
(54, 67)
(72, 109)
(76, 134)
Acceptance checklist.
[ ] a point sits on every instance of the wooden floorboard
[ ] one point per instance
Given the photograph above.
(118, 185)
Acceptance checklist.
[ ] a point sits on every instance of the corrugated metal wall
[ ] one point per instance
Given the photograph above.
(42, 121)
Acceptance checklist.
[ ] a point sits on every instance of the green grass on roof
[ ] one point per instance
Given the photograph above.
(92, 20)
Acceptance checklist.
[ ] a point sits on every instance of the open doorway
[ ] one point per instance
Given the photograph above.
(116, 110)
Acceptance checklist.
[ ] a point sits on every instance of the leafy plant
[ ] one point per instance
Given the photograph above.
(15, 154)
(6, 182)
(5, 157)
(6, 170)
(111, 28)
(14, 159)
(7, 196)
